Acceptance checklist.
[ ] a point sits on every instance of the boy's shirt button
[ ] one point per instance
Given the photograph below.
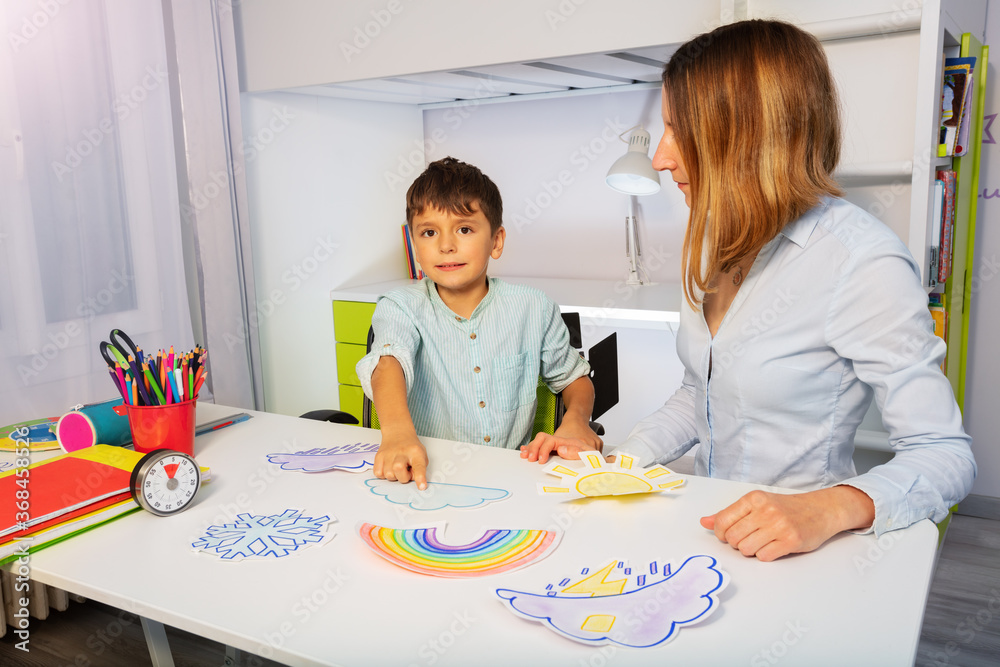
(486, 439)
(482, 404)
(458, 319)
(472, 336)
(476, 369)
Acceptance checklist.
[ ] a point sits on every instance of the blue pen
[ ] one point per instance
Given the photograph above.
(222, 423)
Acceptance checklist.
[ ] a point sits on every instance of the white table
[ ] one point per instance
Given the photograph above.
(857, 600)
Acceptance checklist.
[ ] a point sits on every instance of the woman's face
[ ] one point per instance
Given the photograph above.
(668, 157)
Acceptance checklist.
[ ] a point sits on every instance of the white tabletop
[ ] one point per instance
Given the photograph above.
(856, 600)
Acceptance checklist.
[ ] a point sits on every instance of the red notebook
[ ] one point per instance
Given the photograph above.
(64, 487)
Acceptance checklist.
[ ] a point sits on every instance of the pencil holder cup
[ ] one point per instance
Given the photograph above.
(162, 426)
(94, 424)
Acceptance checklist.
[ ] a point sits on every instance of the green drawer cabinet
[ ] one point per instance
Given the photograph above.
(351, 400)
(348, 356)
(351, 321)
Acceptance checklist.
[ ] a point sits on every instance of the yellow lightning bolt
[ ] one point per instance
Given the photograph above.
(596, 585)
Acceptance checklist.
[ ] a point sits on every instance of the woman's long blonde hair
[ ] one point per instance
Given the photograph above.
(756, 119)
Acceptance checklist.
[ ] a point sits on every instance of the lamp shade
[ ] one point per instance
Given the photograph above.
(633, 173)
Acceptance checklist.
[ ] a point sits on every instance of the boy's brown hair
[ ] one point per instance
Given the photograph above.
(457, 187)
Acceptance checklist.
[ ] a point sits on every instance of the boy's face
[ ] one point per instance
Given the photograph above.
(454, 251)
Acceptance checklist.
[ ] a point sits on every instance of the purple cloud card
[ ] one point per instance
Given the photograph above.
(599, 607)
(352, 458)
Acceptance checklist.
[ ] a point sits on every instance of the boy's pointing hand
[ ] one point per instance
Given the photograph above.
(402, 460)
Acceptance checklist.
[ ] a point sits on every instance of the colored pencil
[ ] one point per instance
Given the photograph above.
(140, 389)
(121, 378)
(152, 383)
(114, 378)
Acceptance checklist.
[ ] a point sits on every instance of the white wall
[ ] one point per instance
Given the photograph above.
(321, 217)
(982, 396)
(549, 158)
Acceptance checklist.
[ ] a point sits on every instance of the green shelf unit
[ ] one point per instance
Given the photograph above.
(958, 287)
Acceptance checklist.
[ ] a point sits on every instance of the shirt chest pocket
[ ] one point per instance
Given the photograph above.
(515, 382)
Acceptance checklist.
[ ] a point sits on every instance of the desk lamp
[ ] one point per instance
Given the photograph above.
(633, 174)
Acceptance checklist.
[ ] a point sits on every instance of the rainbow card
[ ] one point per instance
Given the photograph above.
(494, 552)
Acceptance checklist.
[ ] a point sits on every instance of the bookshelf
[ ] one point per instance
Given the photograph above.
(943, 36)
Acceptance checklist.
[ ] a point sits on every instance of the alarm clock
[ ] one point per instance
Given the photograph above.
(165, 482)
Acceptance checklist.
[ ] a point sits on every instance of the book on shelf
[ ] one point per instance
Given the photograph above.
(956, 102)
(412, 265)
(939, 314)
(947, 223)
(937, 211)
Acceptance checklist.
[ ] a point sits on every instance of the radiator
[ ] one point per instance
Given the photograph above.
(41, 600)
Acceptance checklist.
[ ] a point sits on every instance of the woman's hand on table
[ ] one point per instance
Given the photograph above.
(401, 459)
(545, 445)
(772, 525)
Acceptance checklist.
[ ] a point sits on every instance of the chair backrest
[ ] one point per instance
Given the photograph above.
(548, 412)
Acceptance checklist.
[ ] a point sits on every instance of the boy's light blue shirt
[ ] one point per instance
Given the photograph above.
(831, 313)
(473, 380)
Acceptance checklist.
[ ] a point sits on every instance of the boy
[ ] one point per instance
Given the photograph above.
(458, 355)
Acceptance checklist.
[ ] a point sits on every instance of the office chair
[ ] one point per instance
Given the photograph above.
(550, 408)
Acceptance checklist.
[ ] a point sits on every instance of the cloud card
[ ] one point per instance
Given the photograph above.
(358, 457)
(616, 605)
(437, 495)
(597, 477)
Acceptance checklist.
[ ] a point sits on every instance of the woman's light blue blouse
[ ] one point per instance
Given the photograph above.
(831, 313)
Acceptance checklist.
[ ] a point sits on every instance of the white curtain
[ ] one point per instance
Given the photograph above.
(90, 224)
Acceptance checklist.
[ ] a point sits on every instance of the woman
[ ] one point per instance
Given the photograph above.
(801, 308)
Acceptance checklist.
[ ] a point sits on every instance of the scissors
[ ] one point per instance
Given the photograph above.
(119, 350)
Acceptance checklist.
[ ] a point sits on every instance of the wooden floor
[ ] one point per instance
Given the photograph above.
(962, 619)
(961, 624)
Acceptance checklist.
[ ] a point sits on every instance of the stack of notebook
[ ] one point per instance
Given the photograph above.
(62, 496)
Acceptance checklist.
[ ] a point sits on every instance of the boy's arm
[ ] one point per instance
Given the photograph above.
(578, 398)
(401, 456)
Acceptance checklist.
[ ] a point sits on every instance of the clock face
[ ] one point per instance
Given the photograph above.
(165, 482)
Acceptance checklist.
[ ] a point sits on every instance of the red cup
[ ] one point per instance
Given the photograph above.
(161, 426)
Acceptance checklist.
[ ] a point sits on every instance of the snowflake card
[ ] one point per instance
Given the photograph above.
(493, 552)
(258, 537)
(600, 478)
(352, 458)
(618, 605)
(437, 495)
